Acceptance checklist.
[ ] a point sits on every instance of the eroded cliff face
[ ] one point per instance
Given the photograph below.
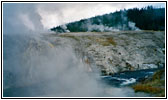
(114, 52)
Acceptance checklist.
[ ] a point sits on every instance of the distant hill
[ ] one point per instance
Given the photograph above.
(147, 18)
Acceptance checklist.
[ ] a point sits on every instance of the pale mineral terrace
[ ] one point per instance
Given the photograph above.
(117, 51)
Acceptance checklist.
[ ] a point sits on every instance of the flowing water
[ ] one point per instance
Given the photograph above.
(33, 67)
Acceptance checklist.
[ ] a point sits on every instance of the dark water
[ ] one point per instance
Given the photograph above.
(128, 77)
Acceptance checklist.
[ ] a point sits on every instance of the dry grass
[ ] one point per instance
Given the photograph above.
(70, 36)
(111, 41)
(106, 41)
(147, 88)
(100, 40)
(156, 85)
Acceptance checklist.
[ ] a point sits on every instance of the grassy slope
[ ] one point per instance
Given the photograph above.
(155, 85)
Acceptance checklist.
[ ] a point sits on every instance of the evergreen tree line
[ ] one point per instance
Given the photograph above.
(147, 18)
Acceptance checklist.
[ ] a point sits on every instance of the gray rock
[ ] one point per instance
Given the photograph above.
(114, 52)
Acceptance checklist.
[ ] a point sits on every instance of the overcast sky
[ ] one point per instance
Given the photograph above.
(42, 16)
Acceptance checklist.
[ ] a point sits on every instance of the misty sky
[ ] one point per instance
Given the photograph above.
(43, 16)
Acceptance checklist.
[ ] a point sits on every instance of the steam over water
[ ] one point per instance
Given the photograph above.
(32, 66)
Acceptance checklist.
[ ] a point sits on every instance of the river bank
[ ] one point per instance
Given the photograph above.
(80, 64)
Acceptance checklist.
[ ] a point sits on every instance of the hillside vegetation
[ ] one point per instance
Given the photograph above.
(147, 18)
(154, 84)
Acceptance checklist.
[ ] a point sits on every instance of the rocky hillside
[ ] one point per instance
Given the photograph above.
(117, 51)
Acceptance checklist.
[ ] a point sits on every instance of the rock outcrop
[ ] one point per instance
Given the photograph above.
(119, 51)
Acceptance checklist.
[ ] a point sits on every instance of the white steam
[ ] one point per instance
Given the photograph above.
(27, 22)
(132, 26)
(54, 71)
(101, 28)
(90, 26)
(21, 19)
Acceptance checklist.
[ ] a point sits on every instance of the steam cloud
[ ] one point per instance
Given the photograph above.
(123, 26)
(97, 24)
(51, 71)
